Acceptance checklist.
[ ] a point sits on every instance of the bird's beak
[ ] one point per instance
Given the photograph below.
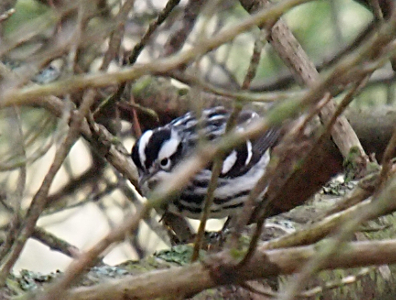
(143, 179)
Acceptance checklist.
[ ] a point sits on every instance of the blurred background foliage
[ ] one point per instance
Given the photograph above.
(83, 208)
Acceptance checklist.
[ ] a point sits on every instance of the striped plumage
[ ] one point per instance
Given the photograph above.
(157, 152)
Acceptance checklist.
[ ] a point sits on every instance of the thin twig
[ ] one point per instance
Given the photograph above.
(351, 279)
(176, 41)
(7, 14)
(55, 243)
(216, 170)
(117, 34)
(170, 5)
(266, 293)
(241, 96)
(258, 47)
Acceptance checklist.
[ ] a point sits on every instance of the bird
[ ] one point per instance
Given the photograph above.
(158, 151)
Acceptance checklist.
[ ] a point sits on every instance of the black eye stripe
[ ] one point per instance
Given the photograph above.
(175, 156)
(154, 145)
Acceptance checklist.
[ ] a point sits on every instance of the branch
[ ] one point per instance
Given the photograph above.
(55, 243)
(189, 280)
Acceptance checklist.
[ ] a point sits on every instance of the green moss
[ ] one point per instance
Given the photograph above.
(25, 11)
(179, 254)
(237, 254)
(141, 85)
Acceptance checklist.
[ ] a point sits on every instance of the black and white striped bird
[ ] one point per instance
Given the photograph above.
(158, 151)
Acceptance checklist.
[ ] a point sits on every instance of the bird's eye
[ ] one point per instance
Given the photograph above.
(165, 163)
